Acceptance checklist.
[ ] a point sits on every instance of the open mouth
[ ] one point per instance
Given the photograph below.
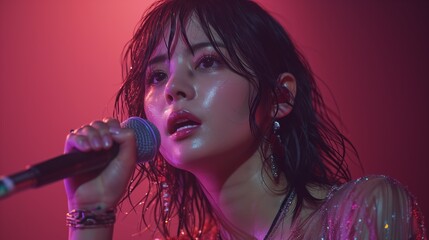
(184, 124)
(182, 121)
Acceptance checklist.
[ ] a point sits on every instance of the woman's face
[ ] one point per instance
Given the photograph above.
(199, 105)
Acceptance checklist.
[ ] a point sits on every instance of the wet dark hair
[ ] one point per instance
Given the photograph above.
(312, 150)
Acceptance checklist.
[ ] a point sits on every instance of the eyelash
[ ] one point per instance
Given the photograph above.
(213, 58)
(150, 79)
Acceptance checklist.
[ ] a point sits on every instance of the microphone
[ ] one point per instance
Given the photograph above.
(75, 163)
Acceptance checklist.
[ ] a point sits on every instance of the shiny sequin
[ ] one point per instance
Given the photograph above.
(373, 207)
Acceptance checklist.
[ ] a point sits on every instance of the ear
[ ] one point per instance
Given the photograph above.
(285, 91)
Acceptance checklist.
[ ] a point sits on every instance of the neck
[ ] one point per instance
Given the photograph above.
(244, 198)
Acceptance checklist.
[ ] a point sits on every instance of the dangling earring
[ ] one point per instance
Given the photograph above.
(273, 158)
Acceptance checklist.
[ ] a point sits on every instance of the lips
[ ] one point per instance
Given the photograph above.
(182, 123)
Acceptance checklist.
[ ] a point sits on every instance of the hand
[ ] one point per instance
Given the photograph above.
(103, 188)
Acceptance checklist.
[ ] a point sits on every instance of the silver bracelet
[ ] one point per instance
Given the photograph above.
(96, 218)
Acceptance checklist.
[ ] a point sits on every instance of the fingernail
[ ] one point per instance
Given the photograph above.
(84, 145)
(95, 143)
(106, 141)
(114, 130)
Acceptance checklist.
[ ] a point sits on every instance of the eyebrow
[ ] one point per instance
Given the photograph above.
(194, 47)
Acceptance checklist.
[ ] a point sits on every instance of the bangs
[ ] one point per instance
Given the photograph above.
(221, 22)
(163, 24)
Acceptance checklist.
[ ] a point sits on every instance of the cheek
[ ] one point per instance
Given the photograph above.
(152, 108)
(235, 96)
(150, 111)
(155, 115)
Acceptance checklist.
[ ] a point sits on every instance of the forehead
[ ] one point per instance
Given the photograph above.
(191, 32)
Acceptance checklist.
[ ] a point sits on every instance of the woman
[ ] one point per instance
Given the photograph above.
(248, 150)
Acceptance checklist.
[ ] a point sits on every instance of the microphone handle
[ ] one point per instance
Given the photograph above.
(63, 166)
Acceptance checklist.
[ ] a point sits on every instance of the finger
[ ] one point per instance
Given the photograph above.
(92, 133)
(103, 132)
(112, 122)
(76, 142)
(114, 125)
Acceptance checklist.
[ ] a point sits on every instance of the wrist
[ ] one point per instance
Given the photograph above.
(98, 217)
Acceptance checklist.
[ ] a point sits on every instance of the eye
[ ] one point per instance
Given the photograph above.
(209, 61)
(156, 77)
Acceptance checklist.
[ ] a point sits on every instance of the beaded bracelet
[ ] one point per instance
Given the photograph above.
(91, 218)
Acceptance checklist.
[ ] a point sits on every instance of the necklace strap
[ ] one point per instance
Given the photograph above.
(281, 214)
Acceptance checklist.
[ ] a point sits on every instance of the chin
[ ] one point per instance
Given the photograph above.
(190, 161)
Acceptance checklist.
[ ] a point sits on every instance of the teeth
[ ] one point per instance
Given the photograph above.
(185, 124)
(185, 127)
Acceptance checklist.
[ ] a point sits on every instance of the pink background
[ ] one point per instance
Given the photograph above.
(60, 68)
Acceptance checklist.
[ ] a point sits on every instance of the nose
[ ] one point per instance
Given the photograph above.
(179, 86)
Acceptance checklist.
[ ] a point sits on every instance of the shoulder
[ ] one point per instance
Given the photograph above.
(369, 188)
(373, 207)
(368, 196)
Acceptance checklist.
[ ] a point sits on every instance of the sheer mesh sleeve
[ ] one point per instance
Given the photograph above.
(375, 207)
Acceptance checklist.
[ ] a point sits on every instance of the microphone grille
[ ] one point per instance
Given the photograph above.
(147, 138)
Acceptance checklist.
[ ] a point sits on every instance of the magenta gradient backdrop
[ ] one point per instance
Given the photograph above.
(60, 68)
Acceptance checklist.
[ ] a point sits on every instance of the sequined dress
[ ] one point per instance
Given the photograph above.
(374, 207)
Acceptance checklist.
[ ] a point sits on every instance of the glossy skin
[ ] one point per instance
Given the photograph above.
(217, 146)
(202, 88)
(187, 86)
(201, 108)
(100, 189)
(202, 111)
(107, 187)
